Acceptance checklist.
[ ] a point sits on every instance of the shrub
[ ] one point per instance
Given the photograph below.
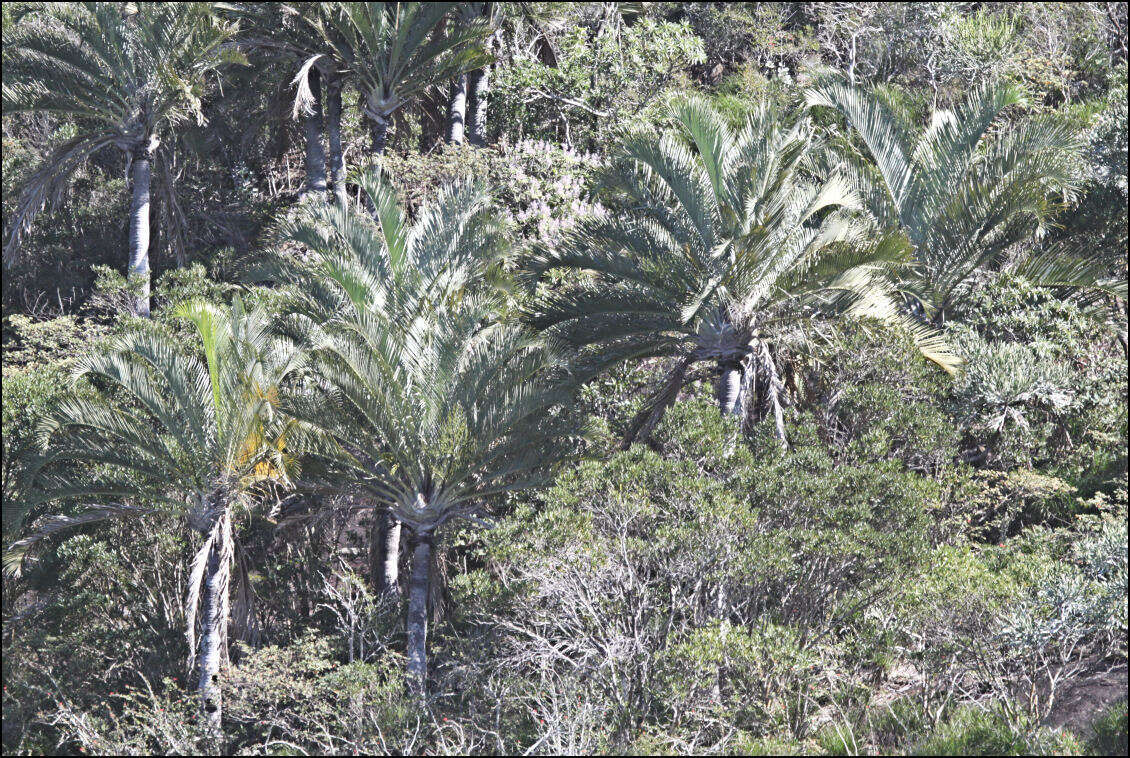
(695, 585)
(972, 731)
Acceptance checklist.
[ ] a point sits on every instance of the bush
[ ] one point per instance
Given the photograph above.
(971, 731)
(693, 588)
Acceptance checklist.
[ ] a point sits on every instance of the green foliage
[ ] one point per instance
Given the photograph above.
(873, 399)
(703, 567)
(931, 563)
(1041, 386)
(540, 188)
(1109, 731)
(972, 731)
(568, 102)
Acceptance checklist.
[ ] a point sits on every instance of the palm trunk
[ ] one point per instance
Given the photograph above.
(333, 132)
(378, 131)
(315, 154)
(212, 647)
(457, 110)
(142, 172)
(418, 616)
(384, 554)
(478, 84)
(728, 389)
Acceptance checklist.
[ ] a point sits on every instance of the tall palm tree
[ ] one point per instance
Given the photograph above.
(125, 75)
(435, 406)
(965, 189)
(394, 51)
(722, 246)
(196, 434)
(296, 32)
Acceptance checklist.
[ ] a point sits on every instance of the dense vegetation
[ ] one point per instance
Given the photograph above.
(740, 378)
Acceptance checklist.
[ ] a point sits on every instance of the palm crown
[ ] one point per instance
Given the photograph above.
(392, 51)
(724, 243)
(440, 407)
(964, 190)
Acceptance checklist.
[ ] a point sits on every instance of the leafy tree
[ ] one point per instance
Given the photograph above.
(436, 408)
(720, 251)
(965, 197)
(127, 75)
(394, 51)
(196, 434)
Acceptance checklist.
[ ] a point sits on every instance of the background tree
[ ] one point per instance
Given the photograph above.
(297, 32)
(967, 199)
(126, 75)
(393, 51)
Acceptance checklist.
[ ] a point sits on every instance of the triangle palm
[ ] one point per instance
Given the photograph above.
(723, 246)
(125, 75)
(964, 190)
(434, 405)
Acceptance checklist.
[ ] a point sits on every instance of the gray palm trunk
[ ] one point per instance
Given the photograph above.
(457, 110)
(418, 615)
(141, 174)
(384, 554)
(378, 131)
(478, 83)
(728, 389)
(315, 153)
(212, 646)
(333, 133)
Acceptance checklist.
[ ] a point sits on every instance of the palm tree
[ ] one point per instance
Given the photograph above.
(296, 32)
(435, 406)
(126, 74)
(965, 190)
(394, 51)
(722, 246)
(196, 434)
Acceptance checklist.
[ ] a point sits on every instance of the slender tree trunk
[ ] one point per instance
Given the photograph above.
(384, 554)
(212, 647)
(418, 616)
(478, 84)
(457, 110)
(333, 132)
(142, 173)
(315, 154)
(478, 88)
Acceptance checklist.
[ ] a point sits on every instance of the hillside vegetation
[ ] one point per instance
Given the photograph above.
(565, 378)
